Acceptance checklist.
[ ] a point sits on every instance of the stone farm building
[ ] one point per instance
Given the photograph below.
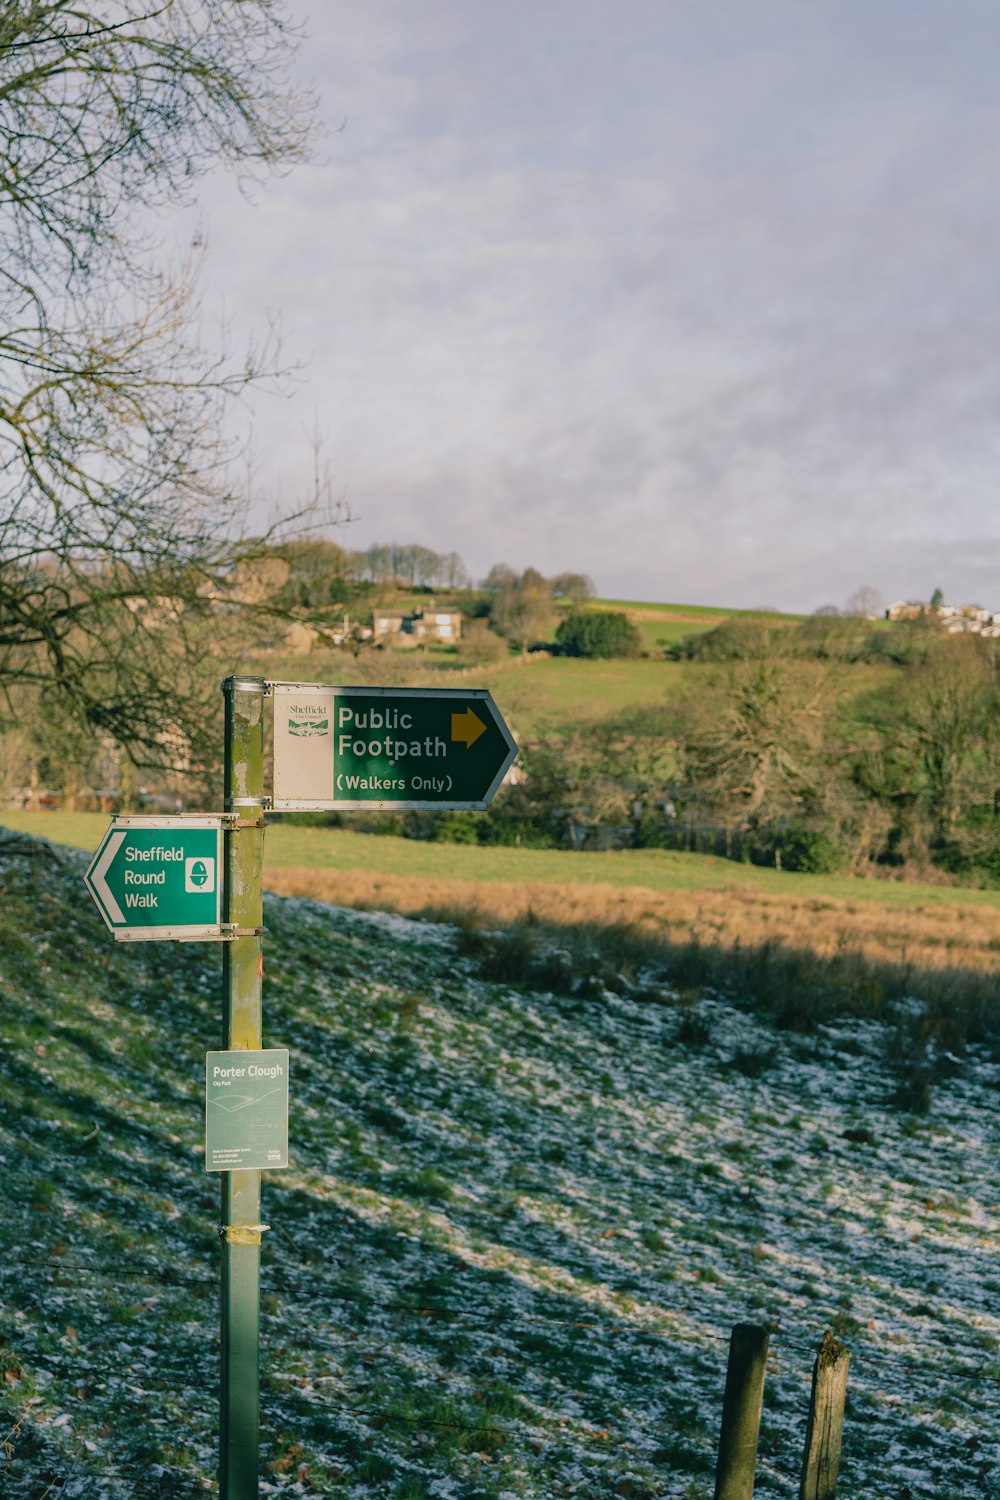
(415, 627)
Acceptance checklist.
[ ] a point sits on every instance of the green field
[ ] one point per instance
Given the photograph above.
(289, 846)
(656, 634)
(561, 690)
(536, 694)
(709, 613)
(539, 694)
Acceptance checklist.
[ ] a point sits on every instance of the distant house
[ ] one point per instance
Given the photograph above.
(387, 622)
(966, 619)
(957, 619)
(301, 636)
(905, 610)
(411, 628)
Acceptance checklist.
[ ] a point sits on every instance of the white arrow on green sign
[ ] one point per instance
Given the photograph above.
(341, 747)
(159, 878)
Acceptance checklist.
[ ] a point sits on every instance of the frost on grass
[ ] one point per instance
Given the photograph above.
(515, 1235)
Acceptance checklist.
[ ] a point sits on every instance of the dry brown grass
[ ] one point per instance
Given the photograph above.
(922, 937)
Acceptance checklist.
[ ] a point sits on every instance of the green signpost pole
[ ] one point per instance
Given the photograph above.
(240, 1228)
(159, 879)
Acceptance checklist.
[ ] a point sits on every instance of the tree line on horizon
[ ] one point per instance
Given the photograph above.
(521, 609)
(413, 566)
(818, 746)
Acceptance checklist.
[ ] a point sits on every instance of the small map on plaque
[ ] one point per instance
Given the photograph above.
(246, 1110)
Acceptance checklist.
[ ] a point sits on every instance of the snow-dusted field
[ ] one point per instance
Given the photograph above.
(515, 1234)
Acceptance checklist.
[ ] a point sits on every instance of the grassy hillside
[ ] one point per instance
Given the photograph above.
(535, 693)
(679, 896)
(662, 625)
(516, 1231)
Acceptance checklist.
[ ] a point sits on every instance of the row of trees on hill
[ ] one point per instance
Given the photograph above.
(577, 588)
(523, 610)
(790, 757)
(409, 566)
(321, 572)
(826, 775)
(396, 565)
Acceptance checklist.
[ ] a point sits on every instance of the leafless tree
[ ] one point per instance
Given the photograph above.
(456, 574)
(522, 609)
(865, 603)
(950, 720)
(576, 587)
(500, 576)
(758, 753)
(119, 515)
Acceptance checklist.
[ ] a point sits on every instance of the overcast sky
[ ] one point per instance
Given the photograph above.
(699, 297)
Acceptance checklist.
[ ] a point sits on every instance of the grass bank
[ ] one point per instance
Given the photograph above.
(291, 845)
(523, 1211)
(677, 898)
(533, 693)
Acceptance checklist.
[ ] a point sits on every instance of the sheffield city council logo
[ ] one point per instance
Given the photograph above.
(309, 724)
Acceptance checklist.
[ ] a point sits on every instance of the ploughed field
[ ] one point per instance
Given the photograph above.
(521, 1218)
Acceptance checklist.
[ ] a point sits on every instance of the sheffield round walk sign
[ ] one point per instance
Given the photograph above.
(336, 748)
(159, 878)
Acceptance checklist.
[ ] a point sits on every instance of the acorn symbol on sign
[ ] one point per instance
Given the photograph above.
(199, 874)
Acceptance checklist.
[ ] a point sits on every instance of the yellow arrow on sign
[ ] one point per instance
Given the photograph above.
(467, 726)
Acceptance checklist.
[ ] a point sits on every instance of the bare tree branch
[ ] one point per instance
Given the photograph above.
(116, 481)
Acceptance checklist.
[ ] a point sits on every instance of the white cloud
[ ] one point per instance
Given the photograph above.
(696, 298)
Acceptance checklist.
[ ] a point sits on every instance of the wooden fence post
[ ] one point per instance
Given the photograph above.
(734, 1475)
(826, 1421)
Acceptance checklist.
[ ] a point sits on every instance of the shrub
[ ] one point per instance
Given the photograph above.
(974, 848)
(912, 1093)
(481, 647)
(693, 1031)
(456, 828)
(380, 822)
(654, 832)
(529, 832)
(754, 1061)
(739, 638)
(307, 819)
(809, 850)
(598, 633)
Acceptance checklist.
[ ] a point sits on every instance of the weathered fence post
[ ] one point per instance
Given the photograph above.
(734, 1475)
(826, 1421)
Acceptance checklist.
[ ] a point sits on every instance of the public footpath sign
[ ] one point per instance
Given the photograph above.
(246, 1110)
(336, 748)
(158, 877)
(333, 748)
